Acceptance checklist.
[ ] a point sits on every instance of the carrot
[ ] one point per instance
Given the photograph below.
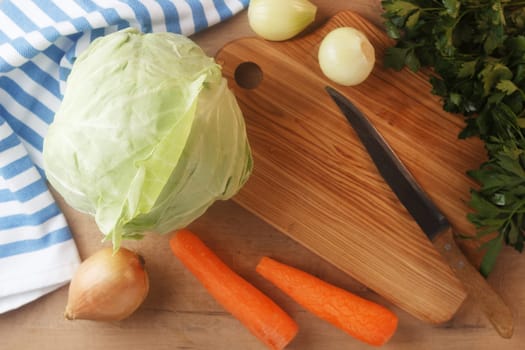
(361, 318)
(263, 317)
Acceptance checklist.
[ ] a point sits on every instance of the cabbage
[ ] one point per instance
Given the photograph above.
(148, 135)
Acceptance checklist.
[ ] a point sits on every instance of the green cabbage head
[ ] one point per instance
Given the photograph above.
(148, 135)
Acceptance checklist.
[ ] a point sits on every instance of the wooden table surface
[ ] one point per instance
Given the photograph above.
(179, 314)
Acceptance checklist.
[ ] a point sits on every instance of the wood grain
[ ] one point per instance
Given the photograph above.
(179, 314)
(314, 181)
(477, 287)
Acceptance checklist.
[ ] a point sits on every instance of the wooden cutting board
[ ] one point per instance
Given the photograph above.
(314, 181)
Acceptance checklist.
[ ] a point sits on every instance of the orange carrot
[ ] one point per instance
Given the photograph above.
(264, 318)
(361, 318)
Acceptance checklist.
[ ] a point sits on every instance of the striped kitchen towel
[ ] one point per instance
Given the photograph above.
(39, 41)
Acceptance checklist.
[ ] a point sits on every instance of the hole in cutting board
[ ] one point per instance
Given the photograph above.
(248, 75)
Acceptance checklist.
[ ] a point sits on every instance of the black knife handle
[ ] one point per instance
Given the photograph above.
(476, 285)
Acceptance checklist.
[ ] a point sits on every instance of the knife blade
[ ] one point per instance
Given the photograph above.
(427, 215)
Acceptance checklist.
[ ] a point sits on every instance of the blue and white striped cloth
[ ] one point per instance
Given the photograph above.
(39, 41)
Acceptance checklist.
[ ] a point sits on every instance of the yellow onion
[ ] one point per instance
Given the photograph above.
(107, 286)
(279, 20)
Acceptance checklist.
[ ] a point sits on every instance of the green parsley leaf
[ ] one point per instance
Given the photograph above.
(399, 8)
(477, 51)
(452, 7)
(493, 247)
(506, 86)
(468, 69)
(395, 57)
(492, 74)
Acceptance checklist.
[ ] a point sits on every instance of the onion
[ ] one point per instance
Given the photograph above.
(279, 20)
(346, 56)
(107, 286)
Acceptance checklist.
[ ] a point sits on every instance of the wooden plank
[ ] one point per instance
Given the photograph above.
(314, 181)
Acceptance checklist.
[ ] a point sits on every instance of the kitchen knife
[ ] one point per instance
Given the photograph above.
(431, 220)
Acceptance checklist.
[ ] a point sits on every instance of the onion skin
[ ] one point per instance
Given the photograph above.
(107, 286)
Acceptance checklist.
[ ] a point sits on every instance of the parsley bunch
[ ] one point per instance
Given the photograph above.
(476, 48)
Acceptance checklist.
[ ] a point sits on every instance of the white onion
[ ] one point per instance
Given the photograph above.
(279, 20)
(346, 56)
